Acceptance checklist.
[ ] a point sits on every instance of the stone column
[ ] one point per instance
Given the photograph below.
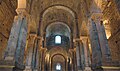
(17, 40)
(97, 17)
(71, 60)
(43, 59)
(30, 52)
(94, 40)
(36, 54)
(82, 55)
(85, 44)
(74, 60)
(78, 54)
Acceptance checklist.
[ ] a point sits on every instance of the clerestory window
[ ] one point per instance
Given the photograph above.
(58, 39)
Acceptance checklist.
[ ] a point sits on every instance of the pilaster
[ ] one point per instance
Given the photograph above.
(85, 44)
(97, 17)
(94, 39)
(78, 53)
(29, 52)
(14, 54)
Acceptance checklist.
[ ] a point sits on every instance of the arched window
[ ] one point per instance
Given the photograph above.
(58, 39)
(58, 67)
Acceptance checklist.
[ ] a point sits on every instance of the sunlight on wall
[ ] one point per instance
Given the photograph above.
(107, 28)
(21, 3)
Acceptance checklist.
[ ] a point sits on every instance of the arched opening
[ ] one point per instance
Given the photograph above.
(61, 14)
(58, 34)
(58, 63)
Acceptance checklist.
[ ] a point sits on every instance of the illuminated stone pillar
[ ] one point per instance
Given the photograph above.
(30, 52)
(94, 40)
(19, 27)
(85, 44)
(97, 17)
(17, 40)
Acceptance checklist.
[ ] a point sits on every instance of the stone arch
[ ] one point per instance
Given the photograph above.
(60, 59)
(48, 27)
(57, 6)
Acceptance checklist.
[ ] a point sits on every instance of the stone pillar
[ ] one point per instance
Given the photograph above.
(97, 17)
(74, 60)
(39, 53)
(30, 52)
(78, 55)
(82, 55)
(71, 59)
(43, 59)
(94, 40)
(85, 44)
(17, 41)
(36, 54)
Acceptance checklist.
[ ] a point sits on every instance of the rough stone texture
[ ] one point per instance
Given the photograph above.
(113, 14)
(96, 51)
(7, 13)
(35, 8)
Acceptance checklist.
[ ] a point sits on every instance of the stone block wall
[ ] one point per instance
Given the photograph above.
(7, 13)
(112, 13)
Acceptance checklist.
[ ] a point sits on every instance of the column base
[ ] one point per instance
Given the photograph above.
(10, 65)
(88, 69)
(6, 65)
(28, 68)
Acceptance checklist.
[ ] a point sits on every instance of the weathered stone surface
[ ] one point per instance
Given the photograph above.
(113, 14)
(7, 13)
(75, 14)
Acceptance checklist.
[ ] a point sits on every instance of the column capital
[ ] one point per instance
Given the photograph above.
(39, 37)
(71, 50)
(83, 38)
(21, 12)
(96, 16)
(76, 39)
(33, 35)
(21, 8)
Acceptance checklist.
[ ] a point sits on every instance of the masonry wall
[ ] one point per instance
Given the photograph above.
(7, 13)
(112, 13)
